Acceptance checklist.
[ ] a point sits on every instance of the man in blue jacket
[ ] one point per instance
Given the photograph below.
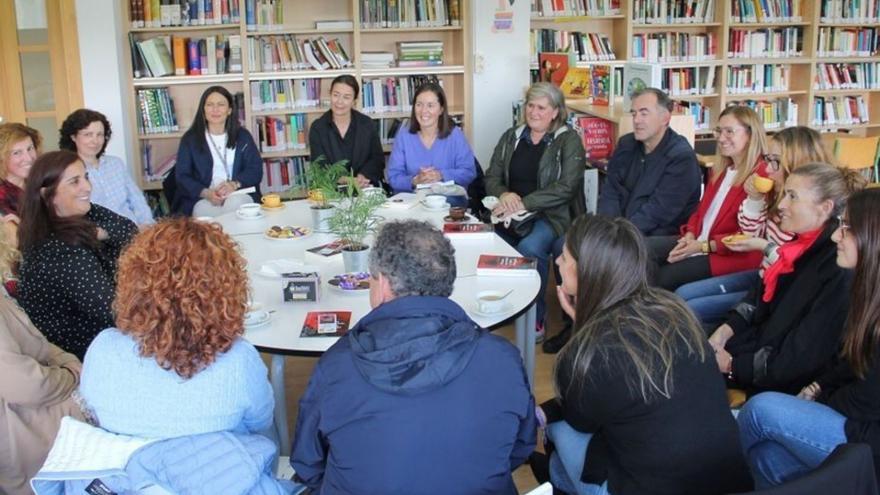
(653, 177)
(416, 398)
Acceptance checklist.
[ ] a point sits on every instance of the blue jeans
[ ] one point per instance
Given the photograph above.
(712, 298)
(567, 461)
(539, 245)
(784, 437)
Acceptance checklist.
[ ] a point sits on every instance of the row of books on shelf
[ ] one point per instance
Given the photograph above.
(840, 110)
(848, 42)
(674, 47)
(155, 168)
(286, 52)
(758, 78)
(587, 47)
(392, 94)
(276, 134)
(282, 174)
(673, 11)
(766, 43)
(156, 111)
(168, 13)
(178, 56)
(565, 8)
(688, 81)
(410, 13)
(774, 114)
(419, 53)
(854, 11)
(863, 75)
(285, 94)
(387, 129)
(701, 113)
(766, 10)
(264, 14)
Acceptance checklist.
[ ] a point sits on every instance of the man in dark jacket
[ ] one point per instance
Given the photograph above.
(653, 177)
(416, 398)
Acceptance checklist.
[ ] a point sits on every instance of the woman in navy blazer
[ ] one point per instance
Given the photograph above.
(216, 157)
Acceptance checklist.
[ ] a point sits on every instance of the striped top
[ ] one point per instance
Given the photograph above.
(753, 220)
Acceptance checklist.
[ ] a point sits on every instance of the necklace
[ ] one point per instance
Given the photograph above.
(222, 156)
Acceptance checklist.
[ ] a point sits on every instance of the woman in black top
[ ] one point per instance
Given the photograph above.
(644, 409)
(343, 133)
(69, 250)
(784, 436)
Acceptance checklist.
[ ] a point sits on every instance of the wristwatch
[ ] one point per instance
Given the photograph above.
(769, 248)
(705, 247)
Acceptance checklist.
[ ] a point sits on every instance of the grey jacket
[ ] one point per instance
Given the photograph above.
(559, 197)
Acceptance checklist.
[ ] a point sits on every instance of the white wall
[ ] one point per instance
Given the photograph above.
(504, 75)
(103, 63)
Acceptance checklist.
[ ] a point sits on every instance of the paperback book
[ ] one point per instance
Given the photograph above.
(474, 231)
(326, 324)
(493, 264)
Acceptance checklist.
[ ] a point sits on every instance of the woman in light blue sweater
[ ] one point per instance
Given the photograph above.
(176, 364)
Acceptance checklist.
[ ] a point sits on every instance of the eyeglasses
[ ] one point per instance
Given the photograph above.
(772, 160)
(726, 131)
(842, 226)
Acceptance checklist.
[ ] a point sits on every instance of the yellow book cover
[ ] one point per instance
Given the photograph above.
(576, 83)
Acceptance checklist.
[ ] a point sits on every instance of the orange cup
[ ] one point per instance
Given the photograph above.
(763, 184)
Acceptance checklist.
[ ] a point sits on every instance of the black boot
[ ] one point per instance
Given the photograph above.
(553, 344)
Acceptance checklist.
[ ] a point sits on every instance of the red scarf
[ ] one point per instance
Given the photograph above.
(788, 253)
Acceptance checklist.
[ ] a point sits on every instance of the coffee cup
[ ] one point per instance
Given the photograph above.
(490, 301)
(249, 210)
(435, 200)
(490, 202)
(763, 184)
(373, 191)
(272, 200)
(457, 212)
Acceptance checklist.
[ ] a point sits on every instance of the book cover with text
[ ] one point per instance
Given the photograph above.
(494, 264)
(326, 324)
(468, 230)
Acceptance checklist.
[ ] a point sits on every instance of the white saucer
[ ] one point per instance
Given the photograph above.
(439, 208)
(245, 217)
(475, 309)
(258, 318)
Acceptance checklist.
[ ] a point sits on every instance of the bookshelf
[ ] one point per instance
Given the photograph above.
(794, 52)
(291, 93)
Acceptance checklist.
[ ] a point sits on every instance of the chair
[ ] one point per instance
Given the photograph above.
(476, 191)
(591, 189)
(849, 469)
(858, 153)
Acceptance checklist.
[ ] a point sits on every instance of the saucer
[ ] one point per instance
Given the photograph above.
(362, 280)
(257, 318)
(245, 217)
(273, 208)
(445, 206)
(466, 219)
(287, 233)
(475, 308)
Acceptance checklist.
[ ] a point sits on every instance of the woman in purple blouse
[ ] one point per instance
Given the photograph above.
(431, 149)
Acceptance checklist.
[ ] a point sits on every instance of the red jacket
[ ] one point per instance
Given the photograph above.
(723, 260)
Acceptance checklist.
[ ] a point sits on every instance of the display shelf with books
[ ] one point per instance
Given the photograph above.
(279, 56)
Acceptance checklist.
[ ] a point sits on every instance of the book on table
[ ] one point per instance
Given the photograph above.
(473, 231)
(326, 324)
(327, 250)
(494, 264)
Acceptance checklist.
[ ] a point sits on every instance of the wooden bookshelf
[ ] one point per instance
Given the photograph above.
(299, 18)
(802, 88)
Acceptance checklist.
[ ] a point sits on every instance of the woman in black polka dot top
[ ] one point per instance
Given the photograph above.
(69, 250)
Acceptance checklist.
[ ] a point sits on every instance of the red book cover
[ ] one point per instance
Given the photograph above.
(493, 264)
(326, 324)
(598, 137)
(552, 67)
(468, 230)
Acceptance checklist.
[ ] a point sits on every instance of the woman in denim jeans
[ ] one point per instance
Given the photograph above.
(640, 406)
(784, 436)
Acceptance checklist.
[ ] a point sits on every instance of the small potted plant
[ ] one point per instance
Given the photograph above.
(323, 184)
(352, 222)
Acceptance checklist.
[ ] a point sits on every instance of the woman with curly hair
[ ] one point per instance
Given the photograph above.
(87, 132)
(175, 364)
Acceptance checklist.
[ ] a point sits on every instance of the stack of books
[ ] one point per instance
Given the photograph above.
(419, 53)
(377, 60)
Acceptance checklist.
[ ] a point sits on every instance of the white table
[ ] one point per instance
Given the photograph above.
(281, 336)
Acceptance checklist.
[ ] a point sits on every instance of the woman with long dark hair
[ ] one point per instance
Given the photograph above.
(69, 248)
(643, 406)
(785, 436)
(216, 158)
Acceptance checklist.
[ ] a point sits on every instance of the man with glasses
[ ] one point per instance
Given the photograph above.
(653, 177)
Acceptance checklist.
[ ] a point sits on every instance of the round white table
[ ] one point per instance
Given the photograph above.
(281, 335)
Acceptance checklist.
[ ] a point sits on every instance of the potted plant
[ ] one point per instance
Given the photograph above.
(353, 221)
(323, 184)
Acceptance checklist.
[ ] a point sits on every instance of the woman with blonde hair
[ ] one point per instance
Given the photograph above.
(175, 363)
(699, 252)
(35, 392)
(19, 146)
(758, 218)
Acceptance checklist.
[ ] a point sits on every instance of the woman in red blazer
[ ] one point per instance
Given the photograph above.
(700, 253)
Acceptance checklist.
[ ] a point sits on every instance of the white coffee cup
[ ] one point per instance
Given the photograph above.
(490, 202)
(490, 301)
(435, 200)
(370, 191)
(249, 210)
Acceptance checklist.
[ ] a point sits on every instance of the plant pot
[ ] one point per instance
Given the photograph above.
(356, 260)
(321, 217)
